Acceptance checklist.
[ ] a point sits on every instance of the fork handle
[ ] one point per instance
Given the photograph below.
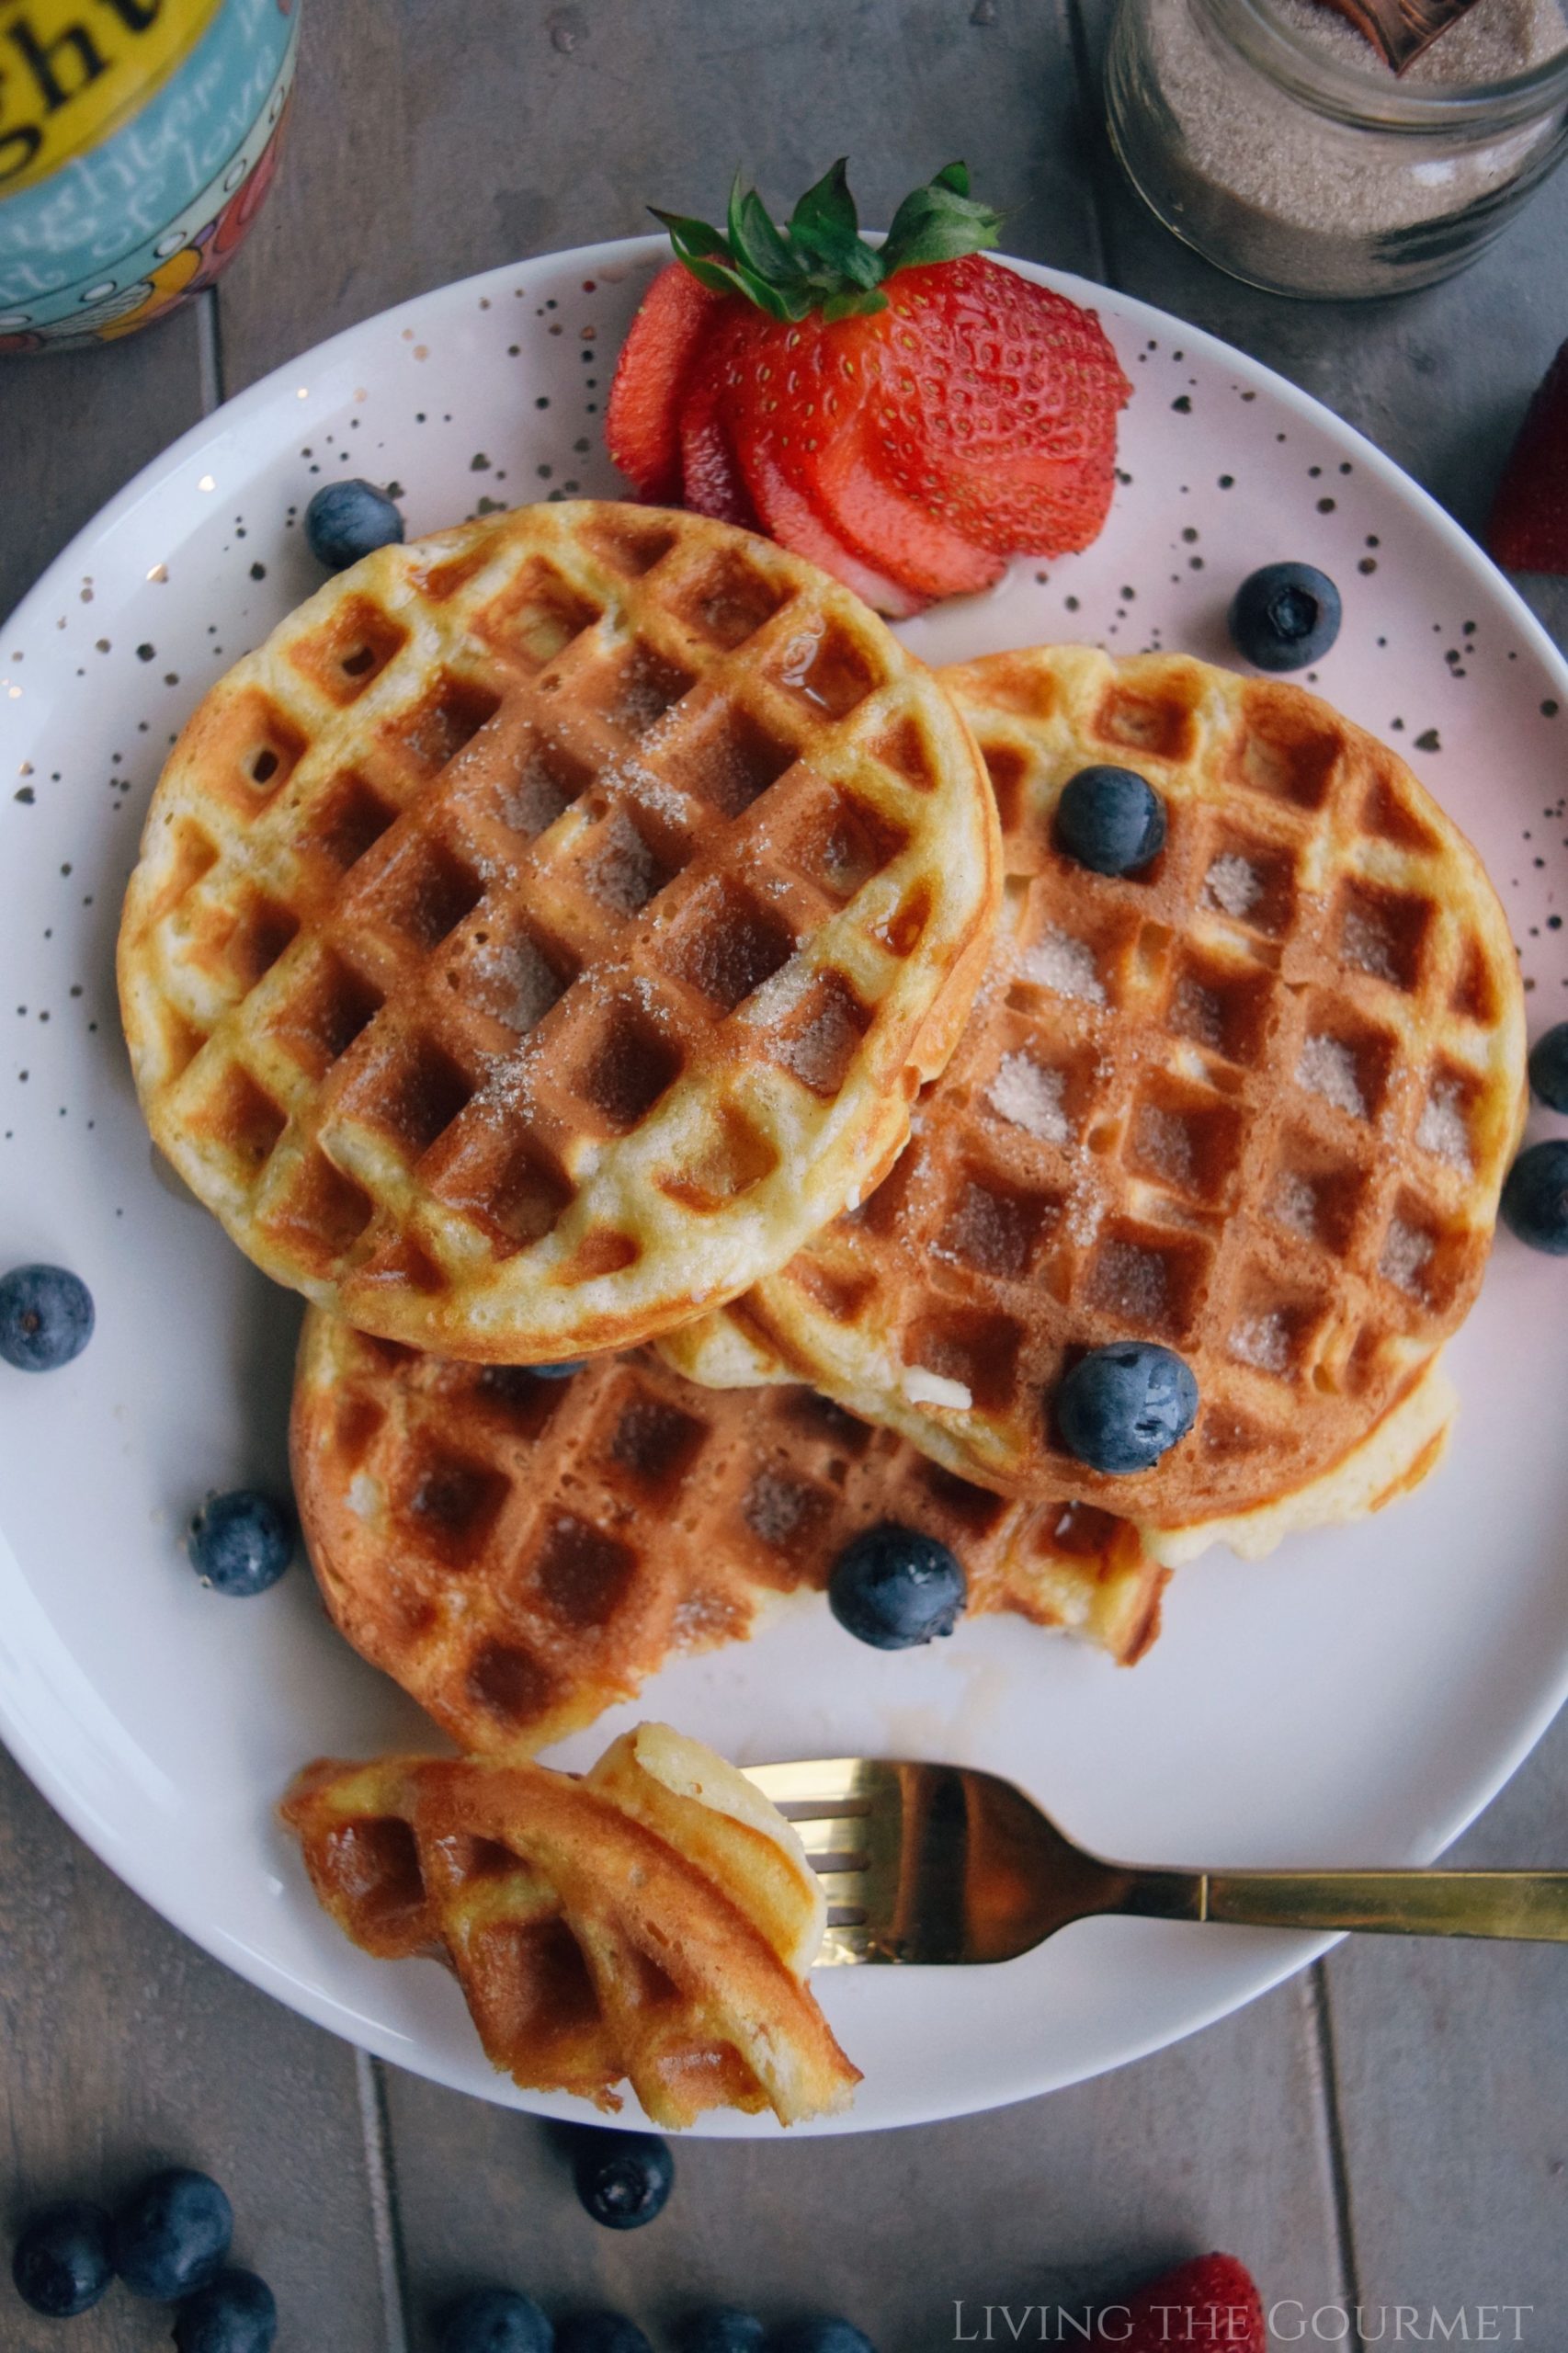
(1526, 1904)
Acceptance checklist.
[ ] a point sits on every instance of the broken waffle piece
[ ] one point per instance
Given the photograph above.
(520, 1553)
(550, 927)
(651, 1922)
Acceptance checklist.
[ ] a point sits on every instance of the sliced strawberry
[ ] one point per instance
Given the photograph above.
(795, 524)
(1210, 2305)
(642, 423)
(1528, 529)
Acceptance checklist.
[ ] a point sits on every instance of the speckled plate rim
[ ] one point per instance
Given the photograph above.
(32, 1654)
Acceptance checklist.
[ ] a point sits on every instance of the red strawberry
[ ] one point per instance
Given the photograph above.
(643, 423)
(1528, 529)
(1211, 2305)
(907, 441)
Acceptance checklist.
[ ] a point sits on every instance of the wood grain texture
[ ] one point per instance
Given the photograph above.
(126, 2049)
(74, 427)
(1062, 2201)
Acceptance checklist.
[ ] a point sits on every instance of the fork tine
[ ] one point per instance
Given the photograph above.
(844, 1887)
(835, 1833)
(820, 1786)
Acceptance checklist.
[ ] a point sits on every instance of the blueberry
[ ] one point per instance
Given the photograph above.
(555, 1371)
(821, 2336)
(496, 2320)
(1122, 1407)
(623, 2179)
(348, 520)
(1548, 1067)
(171, 2236)
(1111, 819)
(601, 2333)
(1535, 1199)
(723, 2330)
(892, 1587)
(46, 1317)
(1284, 615)
(236, 2312)
(61, 2261)
(241, 1543)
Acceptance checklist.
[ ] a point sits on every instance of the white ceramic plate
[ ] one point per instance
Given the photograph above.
(1356, 1700)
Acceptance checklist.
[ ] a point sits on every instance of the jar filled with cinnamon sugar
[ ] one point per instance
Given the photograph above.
(1276, 138)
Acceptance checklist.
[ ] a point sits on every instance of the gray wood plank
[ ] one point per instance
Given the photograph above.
(1453, 2096)
(428, 142)
(126, 2049)
(74, 427)
(1059, 2201)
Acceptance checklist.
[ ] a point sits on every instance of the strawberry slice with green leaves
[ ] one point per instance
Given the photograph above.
(643, 423)
(914, 411)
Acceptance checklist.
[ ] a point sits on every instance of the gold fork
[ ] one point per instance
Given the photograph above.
(944, 1863)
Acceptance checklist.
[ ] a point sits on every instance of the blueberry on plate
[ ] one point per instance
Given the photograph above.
(821, 2336)
(496, 2320)
(236, 2312)
(1111, 819)
(241, 1543)
(1284, 615)
(46, 1317)
(1120, 1409)
(723, 2330)
(555, 1371)
(601, 2333)
(348, 520)
(61, 2265)
(623, 2179)
(892, 1587)
(171, 2236)
(1548, 1067)
(1535, 1197)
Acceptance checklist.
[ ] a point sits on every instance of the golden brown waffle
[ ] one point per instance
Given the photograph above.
(1255, 1103)
(548, 927)
(651, 1922)
(520, 1553)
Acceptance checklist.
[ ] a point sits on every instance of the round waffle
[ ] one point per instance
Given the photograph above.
(652, 1922)
(548, 927)
(520, 1553)
(1254, 1102)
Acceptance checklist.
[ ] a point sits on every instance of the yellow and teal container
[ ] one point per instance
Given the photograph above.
(137, 141)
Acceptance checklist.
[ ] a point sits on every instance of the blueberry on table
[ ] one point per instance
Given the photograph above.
(348, 520)
(236, 2312)
(496, 2320)
(171, 2236)
(623, 2179)
(1548, 1067)
(61, 2263)
(723, 2330)
(241, 1543)
(601, 2333)
(1122, 1407)
(1284, 615)
(1111, 819)
(892, 1587)
(822, 2336)
(1535, 1197)
(46, 1317)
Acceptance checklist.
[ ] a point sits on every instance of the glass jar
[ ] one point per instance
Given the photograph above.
(137, 139)
(1253, 130)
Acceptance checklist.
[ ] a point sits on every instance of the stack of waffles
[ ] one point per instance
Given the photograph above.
(650, 1018)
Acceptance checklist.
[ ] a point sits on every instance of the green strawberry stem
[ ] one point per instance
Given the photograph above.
(820, 261)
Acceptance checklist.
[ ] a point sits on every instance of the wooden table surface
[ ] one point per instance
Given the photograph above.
(1389, 2129)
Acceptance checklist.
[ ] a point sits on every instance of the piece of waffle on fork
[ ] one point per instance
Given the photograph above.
(548, 927)
(652, 1922)
(1254, 1102)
